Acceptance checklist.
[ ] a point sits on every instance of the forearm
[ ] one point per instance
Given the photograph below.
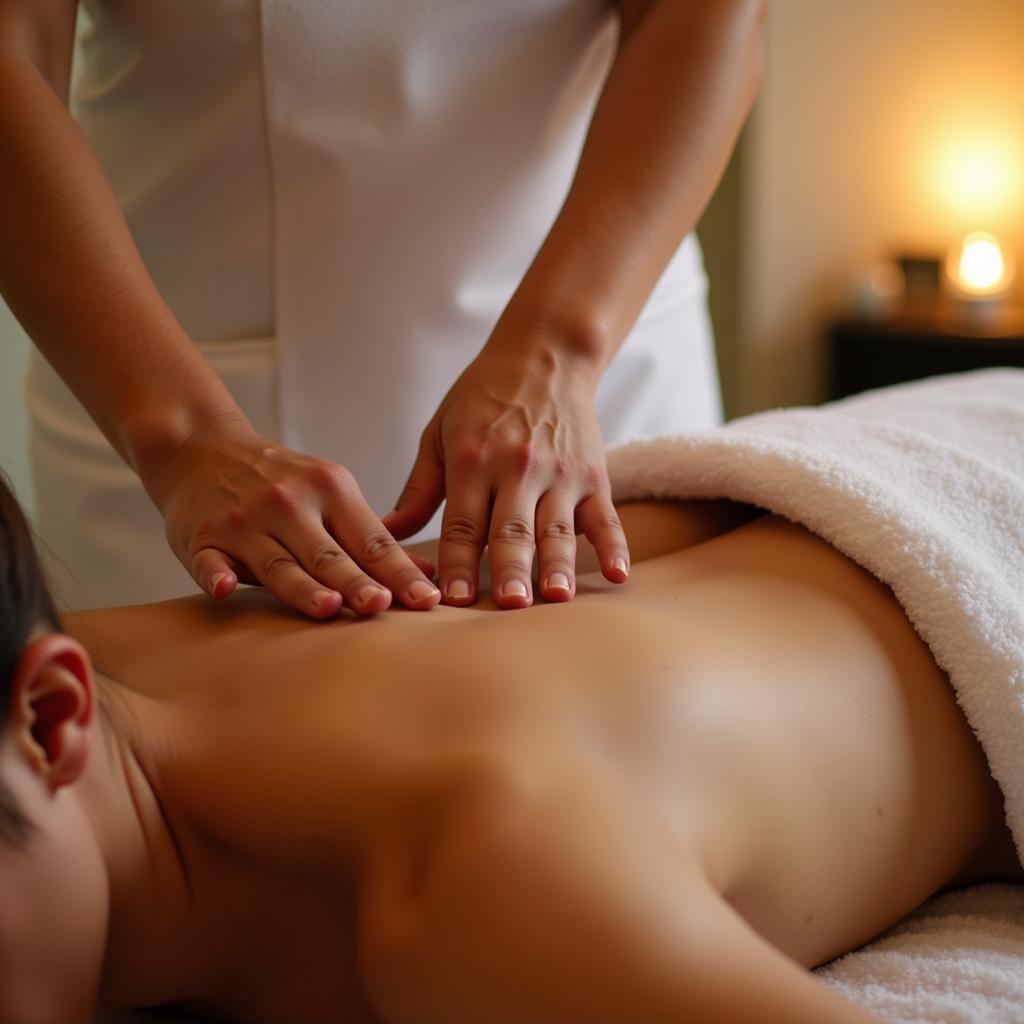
(678, 92)
(71, 273)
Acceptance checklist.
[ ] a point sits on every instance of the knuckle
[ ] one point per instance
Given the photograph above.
(506, 567)
(526, 458)
(560, 471)
(275, 565)
(512, 529)
(558, 529)
(610, 521)
(280, 497)
(378, 545)
(332, 478)
(462, 530)
(325, 557)
(596, 478)
(237, 517)
(470, 457)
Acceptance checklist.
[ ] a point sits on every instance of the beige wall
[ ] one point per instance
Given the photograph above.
(881, 125)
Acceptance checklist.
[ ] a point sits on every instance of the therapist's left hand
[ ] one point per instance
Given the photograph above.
(516, 449)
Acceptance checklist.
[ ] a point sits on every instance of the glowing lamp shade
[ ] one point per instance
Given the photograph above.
(979, 267)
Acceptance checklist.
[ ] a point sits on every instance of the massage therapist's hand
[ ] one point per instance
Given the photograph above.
(239, 508)
(516, 449)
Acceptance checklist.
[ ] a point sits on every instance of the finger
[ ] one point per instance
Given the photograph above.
(296, 526)
(511, 544)
(463, 536)
(324, 560)
(277, 569)
(422, 494)
(597, 519)
(360, 533)
(427, 568)
(556, 546)
(214, 571)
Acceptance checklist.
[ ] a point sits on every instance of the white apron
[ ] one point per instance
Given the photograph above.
(337, 198)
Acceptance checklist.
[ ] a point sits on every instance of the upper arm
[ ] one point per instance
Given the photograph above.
(42, 31)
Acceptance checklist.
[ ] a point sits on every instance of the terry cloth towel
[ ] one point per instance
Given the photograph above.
(921, 484)
(957, 959)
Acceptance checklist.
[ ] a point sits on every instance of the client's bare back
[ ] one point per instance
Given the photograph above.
(599, 811)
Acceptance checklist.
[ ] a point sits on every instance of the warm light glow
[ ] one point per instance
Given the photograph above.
(978, 267)
(976, 174)
(981, 263)
(978, 177)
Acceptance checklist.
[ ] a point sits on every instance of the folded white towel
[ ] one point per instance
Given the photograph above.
(921, 484)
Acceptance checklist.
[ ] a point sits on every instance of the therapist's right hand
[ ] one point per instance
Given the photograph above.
(239, 508)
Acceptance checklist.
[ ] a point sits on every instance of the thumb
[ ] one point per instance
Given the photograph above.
(423, 492)
(214, 572)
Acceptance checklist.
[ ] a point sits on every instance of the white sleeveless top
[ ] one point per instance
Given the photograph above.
(337, 198)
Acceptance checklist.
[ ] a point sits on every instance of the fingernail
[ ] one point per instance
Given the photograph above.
(620, 564)
(215, 582)
(319, 597)
(558, 581)
(421, 589)
(513, 588)
(458, 590)
(367, 594)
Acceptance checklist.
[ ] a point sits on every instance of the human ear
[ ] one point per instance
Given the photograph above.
(52, 707)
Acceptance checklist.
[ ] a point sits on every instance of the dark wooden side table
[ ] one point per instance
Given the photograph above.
(921, 341)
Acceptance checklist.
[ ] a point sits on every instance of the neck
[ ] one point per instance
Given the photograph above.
(157, 948)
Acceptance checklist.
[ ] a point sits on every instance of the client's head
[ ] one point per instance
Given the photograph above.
(53, 895)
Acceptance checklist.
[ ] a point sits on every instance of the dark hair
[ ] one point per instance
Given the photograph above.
(25, 603)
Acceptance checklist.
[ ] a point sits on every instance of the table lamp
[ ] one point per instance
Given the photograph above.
(979, 270)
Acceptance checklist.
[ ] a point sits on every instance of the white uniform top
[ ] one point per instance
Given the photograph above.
(337, 198)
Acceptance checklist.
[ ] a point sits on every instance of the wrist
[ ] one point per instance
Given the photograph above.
(572, 339)
(158, 440)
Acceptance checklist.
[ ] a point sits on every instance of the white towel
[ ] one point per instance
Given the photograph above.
(921, 484)
(958, 959)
